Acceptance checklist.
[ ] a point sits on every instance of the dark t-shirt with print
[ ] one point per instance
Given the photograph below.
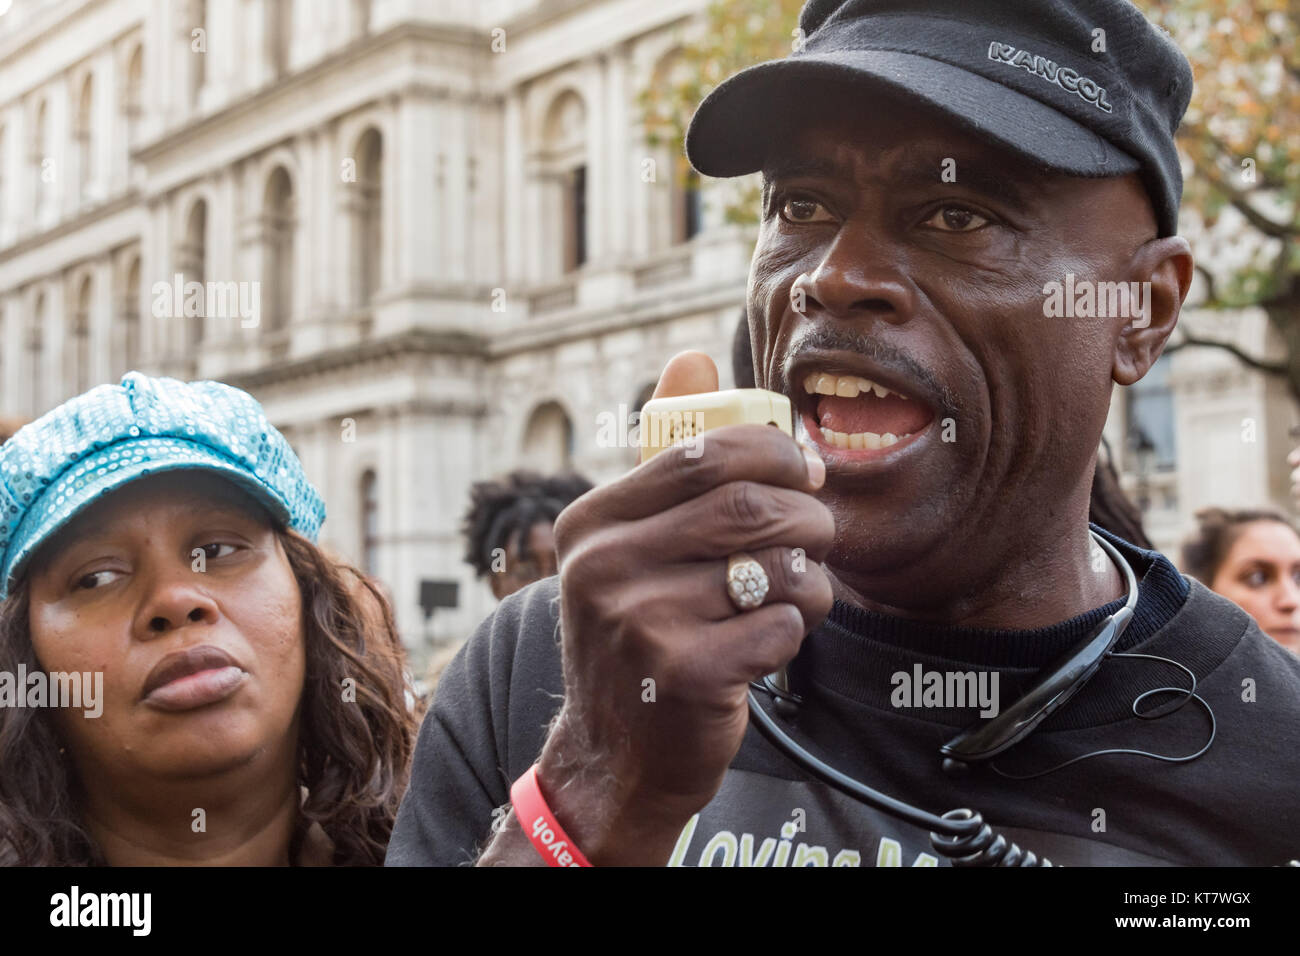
(1239, 803)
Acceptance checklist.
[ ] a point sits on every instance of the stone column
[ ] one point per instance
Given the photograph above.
(103, 320)
(598, 158)
(512, 217)
(622, 174)
(427, 218)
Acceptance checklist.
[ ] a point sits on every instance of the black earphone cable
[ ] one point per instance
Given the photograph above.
(962, 835)
(843, 782)
(1154, 714)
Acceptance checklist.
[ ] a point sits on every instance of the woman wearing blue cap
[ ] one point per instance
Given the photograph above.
(185, 677)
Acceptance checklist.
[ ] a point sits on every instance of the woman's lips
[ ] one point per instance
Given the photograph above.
(197, 690)
(194, 677)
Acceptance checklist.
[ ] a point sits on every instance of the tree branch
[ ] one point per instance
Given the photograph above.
(1212, 300)
(1191, 341)
(1241, 201)
(1262, 179)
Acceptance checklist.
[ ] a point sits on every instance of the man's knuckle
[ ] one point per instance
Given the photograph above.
(696, 472)
(746, 505)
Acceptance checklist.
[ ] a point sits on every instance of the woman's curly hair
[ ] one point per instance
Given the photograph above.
(353, 758)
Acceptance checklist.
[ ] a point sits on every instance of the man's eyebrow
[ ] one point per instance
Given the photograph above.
(805, 166)
(996, 182)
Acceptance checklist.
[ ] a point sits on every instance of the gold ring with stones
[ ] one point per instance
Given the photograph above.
(747, 582)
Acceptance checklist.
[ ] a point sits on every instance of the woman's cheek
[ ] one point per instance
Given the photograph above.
(279, 630)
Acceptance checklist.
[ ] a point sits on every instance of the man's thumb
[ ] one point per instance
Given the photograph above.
(686, 374)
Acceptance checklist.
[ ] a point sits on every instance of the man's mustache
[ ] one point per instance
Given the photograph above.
(839, 338)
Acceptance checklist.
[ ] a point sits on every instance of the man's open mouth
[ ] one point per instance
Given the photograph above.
(856, 413)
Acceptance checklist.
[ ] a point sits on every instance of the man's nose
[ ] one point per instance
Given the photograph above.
(175, 598)
(856, 279)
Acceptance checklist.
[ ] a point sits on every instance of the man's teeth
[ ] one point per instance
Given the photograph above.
(845, 386)
(865, 440)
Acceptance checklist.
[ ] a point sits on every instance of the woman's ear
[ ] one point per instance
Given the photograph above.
(1163, 268)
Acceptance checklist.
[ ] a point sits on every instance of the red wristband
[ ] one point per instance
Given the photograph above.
(540, 825)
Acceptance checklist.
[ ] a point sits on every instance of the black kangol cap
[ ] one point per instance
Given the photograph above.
(1020, 73)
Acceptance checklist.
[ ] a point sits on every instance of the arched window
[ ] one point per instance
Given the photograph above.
(193, 262)
(278, 241)
(85, 138)
(688, 206)
(78, 350)
(675, 199)
(575, 218)
(367, 215)
(563, 165)
(370, 524)
(1150, 407)
(548, 439)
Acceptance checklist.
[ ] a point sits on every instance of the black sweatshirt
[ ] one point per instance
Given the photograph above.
(1239, 803)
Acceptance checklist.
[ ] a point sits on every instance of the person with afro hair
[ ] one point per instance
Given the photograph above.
(508, 528)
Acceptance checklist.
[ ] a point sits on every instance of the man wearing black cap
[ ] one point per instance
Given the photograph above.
(956, 635)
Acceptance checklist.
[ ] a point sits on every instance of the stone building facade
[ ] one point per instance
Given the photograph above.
(441, 213)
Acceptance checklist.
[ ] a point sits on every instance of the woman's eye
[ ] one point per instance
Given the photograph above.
(93, 580)
(804, 210)
(956, 219)
(1256, 579)
(213, 550)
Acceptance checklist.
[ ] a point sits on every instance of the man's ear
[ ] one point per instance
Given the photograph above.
(1168, 266)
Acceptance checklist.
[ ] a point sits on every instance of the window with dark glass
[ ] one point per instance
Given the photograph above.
(691, 206)
(578, 218)
(369, 524)
(1151, 420)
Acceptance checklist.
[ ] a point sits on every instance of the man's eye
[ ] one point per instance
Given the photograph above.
(956, 219)
(804, 210)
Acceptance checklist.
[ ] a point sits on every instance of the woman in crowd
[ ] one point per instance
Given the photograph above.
(242, 695)
(1252, 558)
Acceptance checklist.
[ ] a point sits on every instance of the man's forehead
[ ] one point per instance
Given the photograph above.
(992, 174)
(893, 144)
(848, 147)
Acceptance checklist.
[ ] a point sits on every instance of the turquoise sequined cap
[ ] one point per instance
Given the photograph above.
(54, 468)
